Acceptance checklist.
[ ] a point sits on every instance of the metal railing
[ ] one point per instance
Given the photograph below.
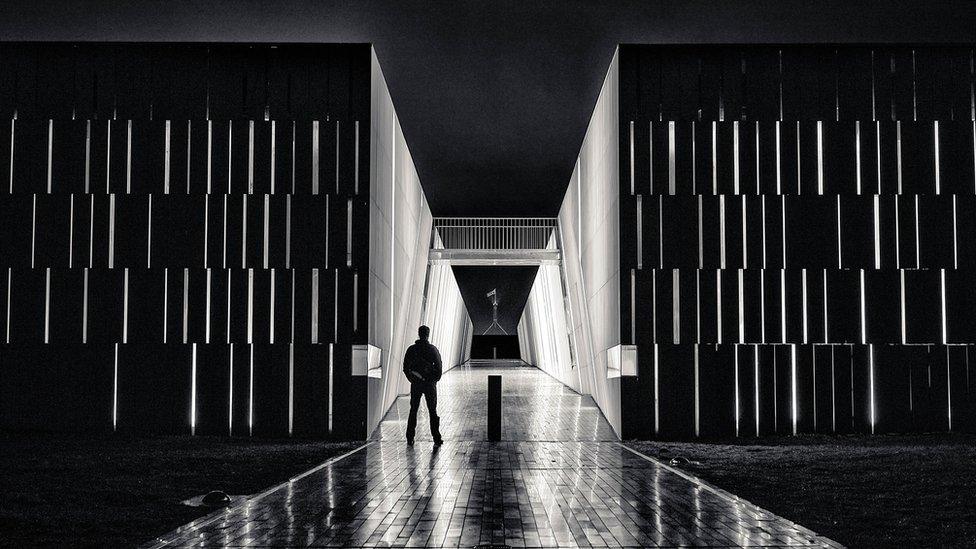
(494, 233)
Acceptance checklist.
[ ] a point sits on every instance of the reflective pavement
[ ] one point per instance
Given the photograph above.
(558, 479)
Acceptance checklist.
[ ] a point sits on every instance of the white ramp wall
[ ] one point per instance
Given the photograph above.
(399, 241)
(543, 331)
(590, 241)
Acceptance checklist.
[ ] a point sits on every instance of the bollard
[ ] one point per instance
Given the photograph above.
(494, 408)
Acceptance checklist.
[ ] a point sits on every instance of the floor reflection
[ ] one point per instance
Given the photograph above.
(540, 487)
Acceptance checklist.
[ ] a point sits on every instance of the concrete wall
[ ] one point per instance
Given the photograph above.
(543, 331)
(400, 228)
(589, 230)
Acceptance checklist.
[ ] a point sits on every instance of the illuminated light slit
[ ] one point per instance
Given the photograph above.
(839, 245)
(227, 327)
(244, 231)
(948, 389)
(13, 132)
(755, 354)
(735, 157)
(315, 157)
(782, 304)
(735, 376)
(657, 414)
(47, 303)
(745, 248)
(291, 388)
(34, 227)
(267, 229)
(955, 239)
(50, 152)
(820, 170)
(250, 306)
(942, 291)
(115, 389)
(640, 232)
(230, 392)
(877, 232)
(714, 158)
(826, 337)
(938, 175)
(762, 306)
(288, 230)
(149, 235)
(186, 304)
(857, 155)
(676, 304)
(833, 393)
(701, 248)
(721, 215)
(166, 156)
(803, 273)
(108, 154)
(672, 158)
(763, 202)
(897, 235)
(207, 319)
(209, 156)
(125, 306)
(271, 310)
(193, 393)
(331, 362)
(742, 323)
(250, 157)
(779, 167)
(877, 133)
(111, 231)
(128, 157)
(904, 338)
(274, 141)
(250, 391)
(631, 149)
(71, 231)
(718, 303)
(813, 361)
(799, 188)
(698, 338)
(165, 303)
(918, 248)
(783, 226)
(898, 154)
(224, 237)
(793, 395)
(864, 323)
(871, 383)
(697, 396)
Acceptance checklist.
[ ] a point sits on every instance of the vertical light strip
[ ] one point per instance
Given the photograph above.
(672, 158)
(745, 247)
(267, 230)
(718, 303)
(250, 391)
(721, 231)
(71, 229)
(948, 391)
(825, 331)
(857, 155)
(47, 305)
(803, 273)
(839, 244)
(149, 234)
(315, 306)
(349, 233)
(793, 395)
(244, 232)
(34, 227)
(108, 155)
(675, 308)
(877, 154)
(698, 337)
(250, 306)
(755, 354)
(820, 161)
(631, 151)
(335, 308)
(331, 399)
(166, 157)
(84, 309)
(87, 156)
(864, 322)
(230, 154)
(10, 276)
(271, 311)
(904, 338)
(918, 247)
(735, 157)
(697, 396)
(782, 303)
(292, 331)
(115, 389)
(50, 152)
(209, 156)
(701, 247)
(714, 157)
(128, 157)
(227, 318)
(763, 203)
(871, 384)
(694, 159)
(193, 393)
(206, 230)
(291, 389)
(640, 232)
(942, 289)
(230, 392)
(13, 132)
(762, 306)
(337, 155)
(186, 304)
(742, 321)
(938, 177)
(783, 225)
(125, 306)
(799, 188)
(898, 153)
(877, 232)
(111, 231)
(165, 304)
(250, 157)
(206, 337)
(189, 154)
(633, 307)
(657, 413)
(288, 231)
(273, 156)
(356, 160)
(660, 231)
(315, 157)
(955, 239)
(735, 381)
(897, 235)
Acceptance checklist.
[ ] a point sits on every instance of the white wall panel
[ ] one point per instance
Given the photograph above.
(400, 226)
(590, 242)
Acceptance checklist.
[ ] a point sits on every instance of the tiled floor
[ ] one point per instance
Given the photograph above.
(558, 479)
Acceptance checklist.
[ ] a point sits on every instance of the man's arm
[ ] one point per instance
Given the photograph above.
(438, 367)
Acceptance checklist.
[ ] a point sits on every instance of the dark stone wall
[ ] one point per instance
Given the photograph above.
(797, 239)
(184, 237)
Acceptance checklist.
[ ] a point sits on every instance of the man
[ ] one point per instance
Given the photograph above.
(422, 366)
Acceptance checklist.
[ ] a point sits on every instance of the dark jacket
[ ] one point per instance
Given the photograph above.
(422, 362)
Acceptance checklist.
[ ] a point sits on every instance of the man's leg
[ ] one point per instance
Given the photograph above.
(415, 392)
(430, 394)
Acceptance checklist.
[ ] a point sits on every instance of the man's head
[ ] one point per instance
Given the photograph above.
(424, 333)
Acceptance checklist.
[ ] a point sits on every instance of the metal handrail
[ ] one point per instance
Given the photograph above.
(494, 233)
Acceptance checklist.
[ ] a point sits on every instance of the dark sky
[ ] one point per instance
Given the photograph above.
(493, 96)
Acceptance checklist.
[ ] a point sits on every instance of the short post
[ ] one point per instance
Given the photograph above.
(494, 408)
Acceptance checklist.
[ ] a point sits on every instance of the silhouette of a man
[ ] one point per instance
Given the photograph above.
(422, 366)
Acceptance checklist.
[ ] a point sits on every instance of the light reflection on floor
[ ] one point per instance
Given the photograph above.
(558, 479)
